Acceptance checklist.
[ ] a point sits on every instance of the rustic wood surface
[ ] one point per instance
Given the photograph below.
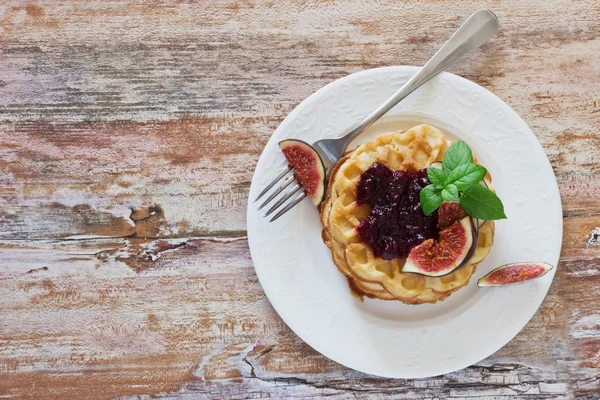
(129, 132)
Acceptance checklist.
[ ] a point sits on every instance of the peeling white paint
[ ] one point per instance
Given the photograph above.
(594, 237)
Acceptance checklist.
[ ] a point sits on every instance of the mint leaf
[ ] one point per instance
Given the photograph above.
(436, 177)
(466, 175)
(450, 193)
(431, 199)
(457, 154)
(480, 202)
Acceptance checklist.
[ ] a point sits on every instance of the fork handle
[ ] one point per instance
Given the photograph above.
(475, 31)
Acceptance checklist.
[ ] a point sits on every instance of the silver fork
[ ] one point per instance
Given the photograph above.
(474, 32)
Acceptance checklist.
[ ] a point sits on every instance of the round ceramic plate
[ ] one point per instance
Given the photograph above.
(388, 338)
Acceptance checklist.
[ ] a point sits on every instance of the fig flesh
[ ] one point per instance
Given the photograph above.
(511, 274)
(448, 213)
(452, 250)
(308, 167)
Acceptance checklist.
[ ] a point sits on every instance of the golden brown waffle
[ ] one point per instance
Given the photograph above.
(372, 276)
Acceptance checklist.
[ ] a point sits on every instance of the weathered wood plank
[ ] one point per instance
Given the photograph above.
(62, 180)
(123, 60)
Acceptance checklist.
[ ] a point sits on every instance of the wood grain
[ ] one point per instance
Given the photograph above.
(129, 132)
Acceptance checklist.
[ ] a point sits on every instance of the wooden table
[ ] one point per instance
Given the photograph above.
(128, 137)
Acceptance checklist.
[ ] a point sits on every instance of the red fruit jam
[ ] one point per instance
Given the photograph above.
(396, 222)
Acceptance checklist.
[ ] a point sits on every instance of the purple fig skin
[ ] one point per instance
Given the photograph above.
(514, 274)
(318, 193)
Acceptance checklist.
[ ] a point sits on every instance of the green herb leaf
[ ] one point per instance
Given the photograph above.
(457, 154)
(480, 202)
(459, 179)
(466, 175)
(436, 177)
(431, 199)
(450, 193)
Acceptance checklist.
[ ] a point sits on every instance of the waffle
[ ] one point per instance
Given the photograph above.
(372, 276)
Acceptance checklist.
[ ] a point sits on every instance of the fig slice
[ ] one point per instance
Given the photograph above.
(448, 213)
(511, 274)
(452, 250)
(308, 167)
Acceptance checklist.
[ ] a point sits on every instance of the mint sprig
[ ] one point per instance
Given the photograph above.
(431, 199)
(458, 180)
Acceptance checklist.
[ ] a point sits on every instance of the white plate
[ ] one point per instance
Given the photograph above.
(390, 338)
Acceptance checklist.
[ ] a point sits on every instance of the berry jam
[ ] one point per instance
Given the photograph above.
(396, 222)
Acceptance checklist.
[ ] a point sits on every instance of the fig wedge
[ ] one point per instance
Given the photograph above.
(448, 213)
(511, 274)
(452, 250)
(308, 167)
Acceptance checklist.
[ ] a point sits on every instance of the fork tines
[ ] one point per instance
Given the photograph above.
(295, 193)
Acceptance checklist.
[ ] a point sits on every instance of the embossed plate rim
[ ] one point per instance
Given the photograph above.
(312, 297)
